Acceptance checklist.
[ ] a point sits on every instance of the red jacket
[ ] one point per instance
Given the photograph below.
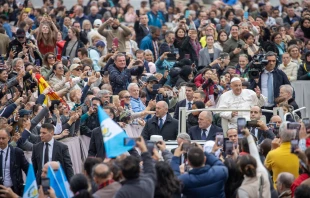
(60, 45)
(208, 87)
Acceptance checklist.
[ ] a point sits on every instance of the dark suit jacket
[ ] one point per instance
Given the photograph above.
(96, 146)
(169, 131)
(60, 154)
(195, 132)
(17, 164)
(279, 78)
(182, 103)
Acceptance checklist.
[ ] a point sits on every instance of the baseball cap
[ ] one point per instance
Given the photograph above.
(152, 78)
(74, 66)
(97, 22)
(24, 112)
(100, 44)
(20, 33)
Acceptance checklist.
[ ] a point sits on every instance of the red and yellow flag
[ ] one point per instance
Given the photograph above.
(52, 95)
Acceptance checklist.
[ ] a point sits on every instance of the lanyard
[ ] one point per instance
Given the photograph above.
(72, 48)
(305, 67)
(6, 158)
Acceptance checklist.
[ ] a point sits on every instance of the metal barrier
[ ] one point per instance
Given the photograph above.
(293, 112)
(183, 112)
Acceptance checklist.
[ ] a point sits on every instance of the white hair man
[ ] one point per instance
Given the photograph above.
(286, 91)
(238, 98)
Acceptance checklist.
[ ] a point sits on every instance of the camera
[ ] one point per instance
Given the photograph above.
(257, 65)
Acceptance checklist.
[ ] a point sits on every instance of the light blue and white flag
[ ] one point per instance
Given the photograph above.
(113, 135)
(55, 182)
(63, 182)
(31, 187)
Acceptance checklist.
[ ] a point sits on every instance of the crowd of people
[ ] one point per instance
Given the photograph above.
(58, 65)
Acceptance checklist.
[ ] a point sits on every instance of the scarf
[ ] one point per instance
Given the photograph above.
(106, 183)
(196, 46)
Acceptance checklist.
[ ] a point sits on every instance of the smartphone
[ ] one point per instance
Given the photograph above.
(156, 86)
(38, 62)
(111, 99)
(306, 121)
(187, 56)
(252, 123)
(14, 47)
(187, 13)
(241, 123)
(150, 147)
(185, 146)
(115, 42)
(137, 62)
(123, 103)
(106, 73)
(239, 45)
(296, 127)
(220, 139)
(176, 50)
(8, 96)
(130, 141)
(138, 13)
(89, 73)
(123, 53)
(144, 78)
(229, 147)
(246, 15)
(294, 145)
(45, 182)
(1, 60)
(171, 57)
(223, 78)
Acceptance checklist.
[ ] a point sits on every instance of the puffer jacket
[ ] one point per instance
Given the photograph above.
(120, 79)
(205, 182)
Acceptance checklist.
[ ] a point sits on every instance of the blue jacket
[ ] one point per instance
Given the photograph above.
(120, 79)
(205, 182)
(156, 19)
(147, 43)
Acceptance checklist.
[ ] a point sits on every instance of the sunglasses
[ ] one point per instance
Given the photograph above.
(51, 57)
(78, 69)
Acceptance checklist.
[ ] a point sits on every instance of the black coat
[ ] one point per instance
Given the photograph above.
(91, 123)
(169, 131)
(187, 48)
(279, 78)
(96, 146)
(141, 32)
(195, 132)
(60, 153)
(303, 72)
(182, 103)
(18, 163)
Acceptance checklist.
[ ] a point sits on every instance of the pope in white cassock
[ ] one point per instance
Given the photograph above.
(238, 98)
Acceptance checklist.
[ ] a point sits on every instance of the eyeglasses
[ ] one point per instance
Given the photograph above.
(60, 68)
(127, 97)
(272, 61)
(51, 57)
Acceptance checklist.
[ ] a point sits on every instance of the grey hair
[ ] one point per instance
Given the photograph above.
(14, 62)
(102, 93)
(148, 51)
(132, 85)
(184, 136)
(208, 115)
(286, 179)
(164, 104)
(287, 88)
(286, 134)
(75, 59)
(243, 55)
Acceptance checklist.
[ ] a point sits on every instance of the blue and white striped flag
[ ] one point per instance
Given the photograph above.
(31, 187)
(113, 135)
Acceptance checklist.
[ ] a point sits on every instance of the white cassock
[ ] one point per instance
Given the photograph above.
(245, 100)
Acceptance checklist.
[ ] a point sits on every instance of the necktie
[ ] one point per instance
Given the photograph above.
(270, 89)
(203, 135)
(253, 131)
(46, 153)
(155, 46)
(189, 106)
(1, 168)
(161, 123)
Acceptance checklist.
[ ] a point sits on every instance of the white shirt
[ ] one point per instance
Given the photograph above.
(207, 131)
(264, 84)
(187, 101)
(164, 119)
(245, 100)
(50, 151)
(7, 181)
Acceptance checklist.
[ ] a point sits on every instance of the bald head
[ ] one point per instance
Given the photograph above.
(284, 181)
(161, 109)
(276, 119)
(54, 165)
(205, 119)
(101, 173)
